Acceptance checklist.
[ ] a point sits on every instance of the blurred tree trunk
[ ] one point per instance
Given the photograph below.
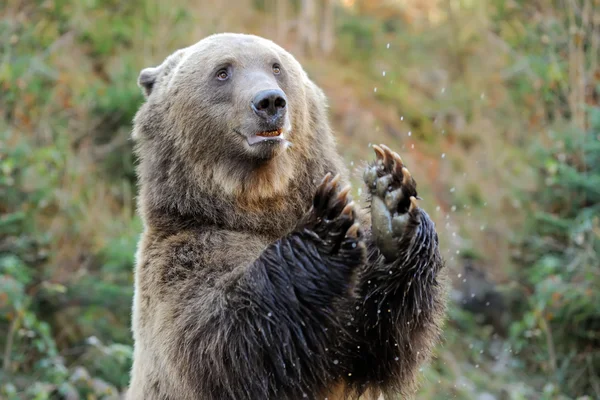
(328, 27)
(308, 27)
(577, 26)
(282, 19)
(316, 30)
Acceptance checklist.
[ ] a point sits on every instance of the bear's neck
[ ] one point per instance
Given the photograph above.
(265, 203)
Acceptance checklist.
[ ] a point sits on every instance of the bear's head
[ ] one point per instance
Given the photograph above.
(233, 115)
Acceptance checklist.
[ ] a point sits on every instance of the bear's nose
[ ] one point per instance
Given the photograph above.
(269, 103)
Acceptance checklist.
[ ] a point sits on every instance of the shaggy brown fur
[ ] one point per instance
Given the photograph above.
(253, 279)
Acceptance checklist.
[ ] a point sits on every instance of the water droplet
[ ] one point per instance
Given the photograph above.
(349, 373)
(357, 307)
(402, 118)
(351, 163)
(336, 362)
(452, 190)
(443, 89)
(476, 365)
(378, 311)
(383, 73)
(457, 251)
(375, 90)
(359, 191)
(482, 227)
(412, 146)
(269, 315)
(459, 275)
(388, 46)
(397, 358)
(482, 96)
(437, 208)
(487, 303)
(453, 208)
(443, 155)
(390, 272)
(409, 133)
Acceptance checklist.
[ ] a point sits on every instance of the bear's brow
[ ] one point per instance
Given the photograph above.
(230, 60)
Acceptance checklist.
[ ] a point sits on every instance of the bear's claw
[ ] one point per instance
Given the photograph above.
(379, 153)
(332, 217)
(353, 231)
(413, 204)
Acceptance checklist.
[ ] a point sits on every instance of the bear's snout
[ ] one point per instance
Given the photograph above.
(270, 105)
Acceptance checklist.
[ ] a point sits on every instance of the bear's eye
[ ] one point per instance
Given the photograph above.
(276, 69)
(222, 75)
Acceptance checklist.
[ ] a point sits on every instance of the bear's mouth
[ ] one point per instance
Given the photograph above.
(275, 135)
(270, 133)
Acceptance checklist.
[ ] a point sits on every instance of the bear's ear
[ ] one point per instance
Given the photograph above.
(147, 79)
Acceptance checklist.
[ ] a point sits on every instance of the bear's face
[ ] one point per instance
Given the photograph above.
(229, 94)
(232, 117)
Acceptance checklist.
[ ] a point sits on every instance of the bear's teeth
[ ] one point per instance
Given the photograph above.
(270, 133)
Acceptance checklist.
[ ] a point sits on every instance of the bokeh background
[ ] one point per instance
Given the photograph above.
(493, 104)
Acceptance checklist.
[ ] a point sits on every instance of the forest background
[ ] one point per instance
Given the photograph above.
(494, 105)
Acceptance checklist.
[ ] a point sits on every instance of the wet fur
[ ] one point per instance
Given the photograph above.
(236, 293)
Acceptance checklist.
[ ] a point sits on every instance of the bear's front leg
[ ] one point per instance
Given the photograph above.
(402, 289)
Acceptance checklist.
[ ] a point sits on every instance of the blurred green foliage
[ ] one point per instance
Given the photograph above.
(34, 303)
(559, 333)
(68, 229)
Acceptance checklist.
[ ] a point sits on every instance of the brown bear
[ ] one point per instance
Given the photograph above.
(256, 275)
